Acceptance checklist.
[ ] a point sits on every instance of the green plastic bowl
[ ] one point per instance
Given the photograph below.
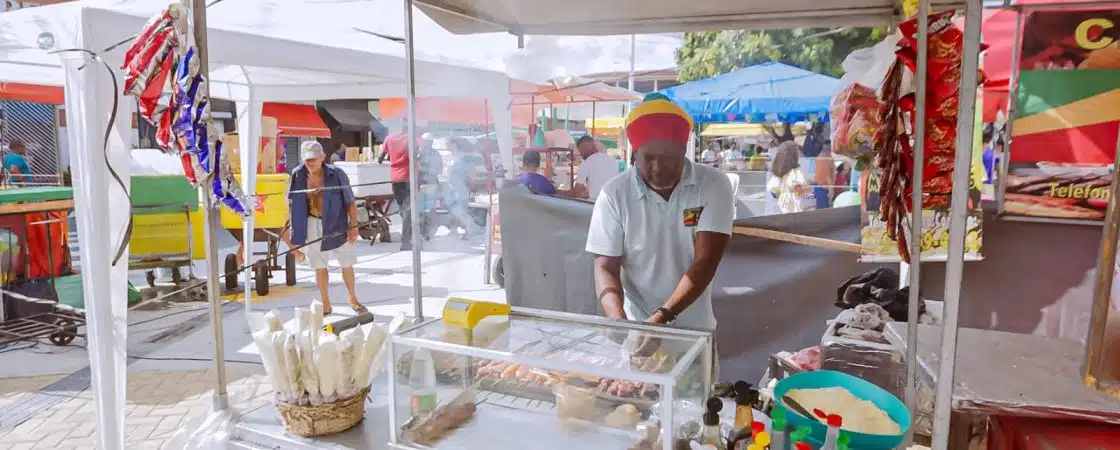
(859, 388)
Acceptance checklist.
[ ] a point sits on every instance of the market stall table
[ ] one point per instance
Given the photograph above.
(1009, 374)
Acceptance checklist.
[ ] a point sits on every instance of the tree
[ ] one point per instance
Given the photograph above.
(709, 53)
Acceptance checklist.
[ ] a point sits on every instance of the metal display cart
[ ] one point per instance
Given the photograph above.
(27, 317)
(550, 342)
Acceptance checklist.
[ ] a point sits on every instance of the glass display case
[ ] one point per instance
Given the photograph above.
(544, 379)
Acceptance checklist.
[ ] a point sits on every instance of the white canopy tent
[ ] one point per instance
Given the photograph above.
(593, 17)
(250, 63)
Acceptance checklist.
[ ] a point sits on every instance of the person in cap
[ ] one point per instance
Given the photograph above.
(324, 217)
(659, 230)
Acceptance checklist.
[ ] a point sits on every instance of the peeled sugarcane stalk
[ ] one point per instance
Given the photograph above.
(292, 366)
(309, 374)
(316, 322)
(326, 360)
(272, 321)
(370, 350)
(263, 341)
(303, 319)
(353, 340)
(283, 384)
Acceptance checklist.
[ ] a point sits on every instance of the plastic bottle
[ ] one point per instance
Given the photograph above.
(778, 432)
(844, 441)
(711, 434)
(422, 381)
(761, 441)
(802, 445)
(744, 398)
(833, 434)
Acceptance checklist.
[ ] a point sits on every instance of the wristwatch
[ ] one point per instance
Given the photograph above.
(669, 316)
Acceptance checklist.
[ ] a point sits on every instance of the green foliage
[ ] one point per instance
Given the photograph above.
(709, 53)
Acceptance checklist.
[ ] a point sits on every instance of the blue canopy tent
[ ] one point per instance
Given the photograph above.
(766, 92)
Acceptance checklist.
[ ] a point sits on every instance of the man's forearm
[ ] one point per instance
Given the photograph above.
(608, 287)
(692, 284)
(352, 212)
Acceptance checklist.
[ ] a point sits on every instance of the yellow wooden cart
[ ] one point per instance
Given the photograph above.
(166, 228)
(270, 215)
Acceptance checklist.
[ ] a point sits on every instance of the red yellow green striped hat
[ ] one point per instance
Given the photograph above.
(657, 118)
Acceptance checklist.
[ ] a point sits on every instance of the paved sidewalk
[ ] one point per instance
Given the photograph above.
(159, 404)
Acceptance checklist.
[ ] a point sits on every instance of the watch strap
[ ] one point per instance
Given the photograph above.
(668, 315)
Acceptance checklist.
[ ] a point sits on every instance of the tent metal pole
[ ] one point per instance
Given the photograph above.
(1012, 111)
(413, 177)
(1100, 364)
(210, 220)
(958, 222)
(917, 218)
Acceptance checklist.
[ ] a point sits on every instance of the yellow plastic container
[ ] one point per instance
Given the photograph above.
(272, 210)
(155, 235)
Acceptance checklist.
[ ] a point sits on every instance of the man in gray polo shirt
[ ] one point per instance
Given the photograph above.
(659, 230)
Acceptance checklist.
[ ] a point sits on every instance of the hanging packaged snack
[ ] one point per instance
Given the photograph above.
(854, 112)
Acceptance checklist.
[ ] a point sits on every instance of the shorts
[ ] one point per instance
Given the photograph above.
(318, 259)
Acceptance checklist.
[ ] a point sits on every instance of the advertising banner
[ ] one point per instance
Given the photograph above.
(1067, 120)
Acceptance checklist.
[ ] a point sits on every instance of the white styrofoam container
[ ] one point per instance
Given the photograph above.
(366, 172)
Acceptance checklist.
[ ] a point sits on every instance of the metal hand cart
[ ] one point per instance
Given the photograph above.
(54, 309)
(165, 215)
(373, 213)
(269, 217)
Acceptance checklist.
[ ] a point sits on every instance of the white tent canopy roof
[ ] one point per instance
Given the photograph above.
(299, 52)
(596, 17)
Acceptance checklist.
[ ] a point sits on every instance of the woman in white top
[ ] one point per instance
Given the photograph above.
(788, 183)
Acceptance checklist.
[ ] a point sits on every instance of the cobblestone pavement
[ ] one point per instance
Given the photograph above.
(159, 403)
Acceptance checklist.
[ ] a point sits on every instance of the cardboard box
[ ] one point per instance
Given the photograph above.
(354, 154)
(267, 150)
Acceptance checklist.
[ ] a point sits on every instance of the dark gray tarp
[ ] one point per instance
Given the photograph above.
(771, 296)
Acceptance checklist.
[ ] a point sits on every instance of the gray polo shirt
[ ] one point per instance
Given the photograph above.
(655, 236)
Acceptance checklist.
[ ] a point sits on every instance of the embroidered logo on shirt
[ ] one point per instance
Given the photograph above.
(692, 216)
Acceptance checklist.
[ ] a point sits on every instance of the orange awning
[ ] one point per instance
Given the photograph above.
(297, 120)
(31, 93)
(449, 110)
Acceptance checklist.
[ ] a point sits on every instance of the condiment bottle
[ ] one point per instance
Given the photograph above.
(761, 440)
(711, 434)
(802, 445)
(833, 434)
(778, 432)
(843, 441)
(801, 435)
(422, 381)
(744, 398)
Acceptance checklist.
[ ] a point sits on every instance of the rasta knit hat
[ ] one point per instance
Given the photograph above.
(657, 118)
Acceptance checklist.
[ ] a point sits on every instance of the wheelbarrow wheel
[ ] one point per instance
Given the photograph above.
(66, 335)
(290, 269)
(261, 276)
(383, 229)
(150, 276)
(498, 273)
(231, 272)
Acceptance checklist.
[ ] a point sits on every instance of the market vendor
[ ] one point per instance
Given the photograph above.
(325, 220)
(659, 230)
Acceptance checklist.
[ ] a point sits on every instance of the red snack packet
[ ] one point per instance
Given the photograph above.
(940, 184)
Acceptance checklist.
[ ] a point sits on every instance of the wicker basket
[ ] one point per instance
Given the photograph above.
(330, 418)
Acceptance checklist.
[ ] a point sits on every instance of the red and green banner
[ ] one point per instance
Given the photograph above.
(1068, 116)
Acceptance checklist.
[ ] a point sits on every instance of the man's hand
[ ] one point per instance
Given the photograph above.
(352, 235)
(299, 255)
